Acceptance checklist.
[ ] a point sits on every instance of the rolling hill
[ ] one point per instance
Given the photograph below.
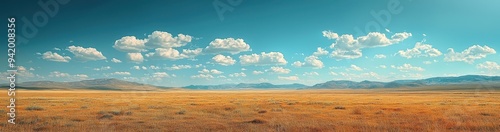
(96, 84)
(435, 81)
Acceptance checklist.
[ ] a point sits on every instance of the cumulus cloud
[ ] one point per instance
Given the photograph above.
(290, 78)
(178, 67)
(354, 68)
(162, 42)
(470, 54)
(160, 39)
(173, 54)
(86, 54)
(238, 74)
(189, 53)
(228, 45)
(330, 35)
(348, 47)
(310, 74)
(130, 44)
(488, 65)
(310, 61)
(271, 58)
(420, 50)
(203, 76)
(121, 73)
(213, 71)
(102, 68)
(257, 72)
(382, 66)
(224, 60)
(114, 60)
(55, 57)
(135, 57)
(160, 75)
(298, 64)
(320, 51)
(380, 56)
(408, 67)
(279, 70)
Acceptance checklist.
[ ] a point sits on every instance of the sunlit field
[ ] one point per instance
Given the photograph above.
(270, 110)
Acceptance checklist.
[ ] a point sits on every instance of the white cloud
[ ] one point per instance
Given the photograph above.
(470, 54)
(488, 65)
(169, 53)
(173, 54)
(114, 60)
(354, 68)
(310, 74)
(136, 68)
(310, 61)
(298, 64)
(102, 68)
(213, 71)
(160, 39)
(279, 70)
(380, 56)
(320, 51)
(408, 67)
(333, 73)
(224, 60)
(130, 44)
(314, 62)
(382, 66)
(135, 57)
(257, 72)
(430, 62)
(347, 47)
(418, 49)
(240, 74)
(330, 35)
(57, 49)
(160, 75)
(55, 57)
(271, 58)
(154, 67)
(203, 76)
(178, 67)
(290, 78)
(121, 73)
(81, 76)
(57, 74)
(188, 53)
(229, 45)
(387, 30)
(86, 54)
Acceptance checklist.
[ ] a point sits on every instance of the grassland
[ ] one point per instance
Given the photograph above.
(271, 110)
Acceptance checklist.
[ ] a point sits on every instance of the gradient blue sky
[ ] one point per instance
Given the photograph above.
(287, 31)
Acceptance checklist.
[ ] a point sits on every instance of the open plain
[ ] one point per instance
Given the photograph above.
(256, 110)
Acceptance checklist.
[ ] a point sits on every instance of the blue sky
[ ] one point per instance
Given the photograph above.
(178, 43)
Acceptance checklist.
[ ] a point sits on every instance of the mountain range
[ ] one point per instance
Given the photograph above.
(115, 84)
(96, 84)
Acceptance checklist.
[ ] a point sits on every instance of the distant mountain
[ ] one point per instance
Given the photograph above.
(96, 84)
(435, 81)
(247, 86)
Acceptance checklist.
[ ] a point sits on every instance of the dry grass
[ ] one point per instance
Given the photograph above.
(294, 110)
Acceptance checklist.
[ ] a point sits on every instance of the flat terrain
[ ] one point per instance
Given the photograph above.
(271, 110)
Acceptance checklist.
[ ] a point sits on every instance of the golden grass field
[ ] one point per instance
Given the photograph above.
(271, 110)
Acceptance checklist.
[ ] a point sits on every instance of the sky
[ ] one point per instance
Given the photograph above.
(192, 42)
